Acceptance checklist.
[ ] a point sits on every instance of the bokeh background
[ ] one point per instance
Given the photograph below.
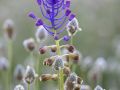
(100, 38)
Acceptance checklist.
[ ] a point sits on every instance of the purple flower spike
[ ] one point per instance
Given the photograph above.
(57, 15)
(68, 4)
(32, 15)
(72, 16)
(66, 38)
(39, 22)
(68, 12)
(39, 2)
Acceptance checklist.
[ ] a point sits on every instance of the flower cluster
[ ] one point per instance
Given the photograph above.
(59, 16)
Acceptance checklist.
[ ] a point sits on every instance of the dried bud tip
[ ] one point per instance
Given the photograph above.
(9, 28)
(30, 75)
(48, 62)
(43, 50)
(29, 44)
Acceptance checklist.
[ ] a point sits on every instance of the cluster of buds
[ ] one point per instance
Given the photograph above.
(53, 48)
(52, 11)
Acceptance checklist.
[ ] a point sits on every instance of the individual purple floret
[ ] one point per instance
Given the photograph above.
(56, 12)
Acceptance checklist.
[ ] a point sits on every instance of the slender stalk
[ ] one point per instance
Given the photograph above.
(28, 86)
(61, 75)
(71, 40)
(10, 58)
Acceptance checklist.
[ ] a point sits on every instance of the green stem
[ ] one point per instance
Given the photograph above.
(60, 74)
(71, 40)
(10, 58)
(28, 86)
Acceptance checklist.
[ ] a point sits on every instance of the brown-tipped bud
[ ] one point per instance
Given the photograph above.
(75, 57)
(9, 28)
(54, 76)
(70, 48)
(73, 27)
(79, 80)
(48, 62)
(67, 71)
(70, 81)
(30, 75)
(77, 86)
(53, 48)
(29, 44)
(46, 77)
(19, 72)
(43, 50)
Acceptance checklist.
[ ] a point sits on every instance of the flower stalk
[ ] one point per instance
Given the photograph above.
(60, 72)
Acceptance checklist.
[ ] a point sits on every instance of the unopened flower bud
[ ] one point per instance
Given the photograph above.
(48, 62)
(67, 71)
(30, 75)
(70, 48)
(19, 87)
(75, 57)
(29, 44)
(43, 50)
(4, 65)
(9, 28)
(19, 72)
(70, 81)
(77, 86)
(73, 27)
(41, 34)
(53, 48)
(46, 77)
(58, 63)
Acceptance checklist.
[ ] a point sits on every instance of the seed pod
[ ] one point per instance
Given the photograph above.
(19, 87)
(30, 75)
(41, 34)
(9, 28)
(58, 63)
(29, 44)
(4, 65)
(73, 27)
(48, 62)
(19, 72)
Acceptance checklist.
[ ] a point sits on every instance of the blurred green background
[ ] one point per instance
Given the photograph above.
(99, 19)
